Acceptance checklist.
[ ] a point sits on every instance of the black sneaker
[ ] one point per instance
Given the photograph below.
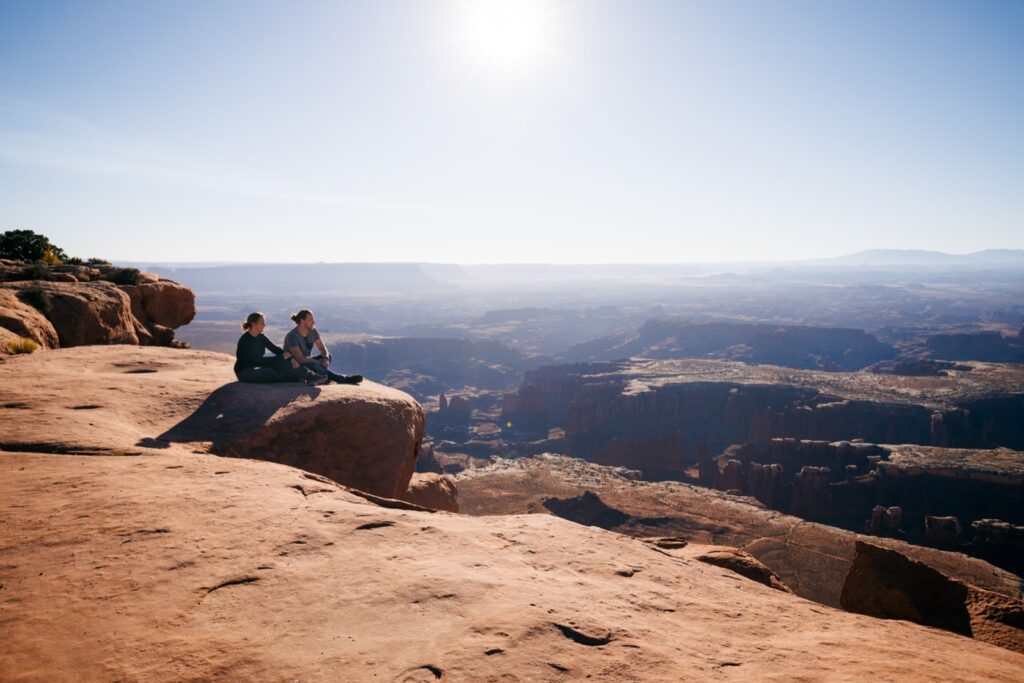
(349, 379)
(316, 381)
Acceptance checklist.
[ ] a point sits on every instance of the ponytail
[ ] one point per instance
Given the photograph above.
(251, 320)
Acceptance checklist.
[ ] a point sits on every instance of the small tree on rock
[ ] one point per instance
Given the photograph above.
(25, 245)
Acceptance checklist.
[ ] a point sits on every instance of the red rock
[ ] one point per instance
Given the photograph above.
(167, 303)
(736, 560)
(23, 320)
(433, 491)
(366, 436)
(176, 565)
(885, 583)
(84, 312)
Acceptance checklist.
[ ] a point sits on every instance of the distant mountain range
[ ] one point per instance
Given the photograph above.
(210, 278)
(922, 257)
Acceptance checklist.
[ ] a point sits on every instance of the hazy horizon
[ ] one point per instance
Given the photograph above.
(501, 132)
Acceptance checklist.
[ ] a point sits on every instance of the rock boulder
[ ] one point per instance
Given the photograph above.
(736, 560)
(167, 303)
(434, 491)
(366, 437)
(83, 312)
(23, 320)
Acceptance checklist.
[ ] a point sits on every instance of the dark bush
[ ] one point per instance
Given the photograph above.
(126, 276)
(74, 261)
(93, 261)
(25, 245)
(36, 271)
(37, 298)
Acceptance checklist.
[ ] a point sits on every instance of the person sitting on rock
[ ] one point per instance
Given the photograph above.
(251, 365)
(300, 342)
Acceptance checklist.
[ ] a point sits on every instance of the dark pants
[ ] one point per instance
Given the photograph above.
(317, 367)
(278, 370)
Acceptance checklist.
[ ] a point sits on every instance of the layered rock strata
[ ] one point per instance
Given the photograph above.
(720, 403)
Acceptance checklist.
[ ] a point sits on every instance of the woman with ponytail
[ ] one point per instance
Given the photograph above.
(251, 365)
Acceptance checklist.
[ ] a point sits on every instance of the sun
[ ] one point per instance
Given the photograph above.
(507, 34)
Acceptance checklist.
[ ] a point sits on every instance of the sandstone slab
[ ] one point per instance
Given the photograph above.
(179, 566)
(137, 400)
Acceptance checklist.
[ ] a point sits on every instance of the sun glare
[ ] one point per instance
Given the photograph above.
(508, 34)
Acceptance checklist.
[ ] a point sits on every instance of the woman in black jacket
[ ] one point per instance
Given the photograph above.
(251, 365)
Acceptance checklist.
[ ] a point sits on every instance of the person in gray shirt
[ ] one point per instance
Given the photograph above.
(300, 342)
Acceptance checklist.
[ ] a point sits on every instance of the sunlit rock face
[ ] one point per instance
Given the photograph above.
(79, 307)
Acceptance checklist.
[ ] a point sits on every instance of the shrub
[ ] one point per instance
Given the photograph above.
(36, 298)
(93, 261)
(74, 261)
(25, 245)
(126, 276)
(37, 271)
(50, 258)
(22, 345)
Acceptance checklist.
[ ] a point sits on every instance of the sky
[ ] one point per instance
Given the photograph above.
(498, 131)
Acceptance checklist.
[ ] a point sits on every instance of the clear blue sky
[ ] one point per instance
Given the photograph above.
(576, 131)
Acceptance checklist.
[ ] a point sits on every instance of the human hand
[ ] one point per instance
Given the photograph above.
(295, 364)
(325, 362)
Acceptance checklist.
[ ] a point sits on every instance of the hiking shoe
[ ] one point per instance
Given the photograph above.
(349, 379)
(316, 381)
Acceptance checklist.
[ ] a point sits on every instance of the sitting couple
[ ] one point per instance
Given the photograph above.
(293, 363)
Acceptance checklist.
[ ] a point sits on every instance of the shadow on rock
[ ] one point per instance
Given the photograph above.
(232, 411)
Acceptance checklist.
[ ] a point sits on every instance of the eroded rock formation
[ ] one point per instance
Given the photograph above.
(885, 583)
(75, 311)
(825, 348)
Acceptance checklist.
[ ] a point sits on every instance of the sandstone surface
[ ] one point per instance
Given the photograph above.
(810, 559)
(83, 312)
(117, 399)
(23, 320)
(885, 583)
(168, 304)
(129, 552)
(183, 566)
(71, 309)
(434, 491)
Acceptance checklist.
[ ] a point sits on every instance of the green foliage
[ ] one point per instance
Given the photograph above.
(36, 298)
(74, 261)
(25, 245)
(93, 261)
(22, 345)
(126, 276)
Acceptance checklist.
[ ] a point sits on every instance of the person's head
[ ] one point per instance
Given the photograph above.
(255, 323)
(304, 319)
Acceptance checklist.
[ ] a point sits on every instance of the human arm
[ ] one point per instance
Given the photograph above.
(271, 346)
(298, 358)
(325, 356)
